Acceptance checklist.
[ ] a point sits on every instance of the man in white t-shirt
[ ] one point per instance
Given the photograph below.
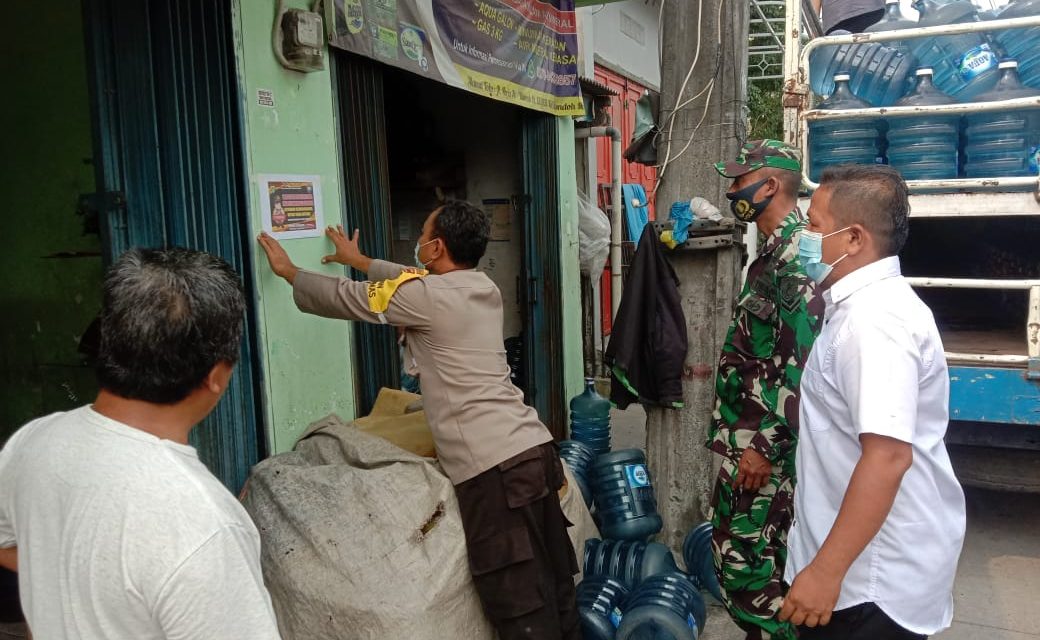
(879, 514)
(120, 530)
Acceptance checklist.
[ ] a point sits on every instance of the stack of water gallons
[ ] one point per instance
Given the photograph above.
(948, 69)
(632, 587)
(633, 590)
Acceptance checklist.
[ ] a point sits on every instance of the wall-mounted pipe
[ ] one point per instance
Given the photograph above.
(616, 209)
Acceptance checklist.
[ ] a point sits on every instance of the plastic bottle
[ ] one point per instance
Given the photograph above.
(624, 496)
(600, 601)
(856, 141)
(579, 457)
(700, 564)
(894, 20)
(630, 562)
(1003, 143)
(924, 147)
(1021, 44)
(664, 607)
(878, 73)
(964, 65)
(590, 418)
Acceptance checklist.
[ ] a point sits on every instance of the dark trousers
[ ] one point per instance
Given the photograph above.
(863, 622)
(858, 24)
(521, 558)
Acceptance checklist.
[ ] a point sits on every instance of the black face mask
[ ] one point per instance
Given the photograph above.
(742, 205)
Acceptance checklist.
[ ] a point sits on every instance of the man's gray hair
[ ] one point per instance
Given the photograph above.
(168, 317)
(872, 195)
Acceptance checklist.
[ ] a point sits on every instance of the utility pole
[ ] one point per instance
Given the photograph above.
(703, 93)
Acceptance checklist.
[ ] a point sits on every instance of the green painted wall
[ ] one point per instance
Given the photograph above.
(307, 368)
(47, 302)
(573, 364)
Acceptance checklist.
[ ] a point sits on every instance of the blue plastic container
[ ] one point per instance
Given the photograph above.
(664, 607)
(699, 560)
(590, 418)
(624, 495)
(878, 73)
(630, 562)
(1003, 143)
(924, 147)
(894, 20)
(600, 601)
(964, 65)
(579, 457)
(832, 142)
(1023, 44)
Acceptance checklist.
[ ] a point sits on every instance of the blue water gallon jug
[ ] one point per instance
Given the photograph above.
(699, 560)
(630, 562)
(624, 495)
(924, 147)
(878, 73)
(1003, 143)
(894, 20)
(600, 601)
(964, 65)
(579, 457)
(1022, 44)
(855, 141)
(664, 607)
(590, 418)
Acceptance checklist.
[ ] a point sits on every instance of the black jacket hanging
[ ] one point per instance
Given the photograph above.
(647, 346)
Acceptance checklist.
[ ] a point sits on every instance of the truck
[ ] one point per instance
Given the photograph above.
(973, 256)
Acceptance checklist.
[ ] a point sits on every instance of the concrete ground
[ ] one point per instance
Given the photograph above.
(997, 592)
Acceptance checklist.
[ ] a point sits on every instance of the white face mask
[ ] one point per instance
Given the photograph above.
(419, 263)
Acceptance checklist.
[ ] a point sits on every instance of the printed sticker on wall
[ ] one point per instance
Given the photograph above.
(265, 97)
(291, 206)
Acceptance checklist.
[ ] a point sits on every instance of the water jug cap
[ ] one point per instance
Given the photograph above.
(924, 71)
(842, 77)
(1008, 64)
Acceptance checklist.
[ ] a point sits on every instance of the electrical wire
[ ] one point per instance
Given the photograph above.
(679, 103)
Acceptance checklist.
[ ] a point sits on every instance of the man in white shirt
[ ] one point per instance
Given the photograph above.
(121, 532)
(879, 514)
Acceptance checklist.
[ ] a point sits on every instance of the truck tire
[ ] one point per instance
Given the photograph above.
(993, 468)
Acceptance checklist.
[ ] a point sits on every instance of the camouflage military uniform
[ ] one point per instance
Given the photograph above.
(777, 320)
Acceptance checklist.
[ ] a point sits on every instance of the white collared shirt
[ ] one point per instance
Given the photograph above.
(878, 367)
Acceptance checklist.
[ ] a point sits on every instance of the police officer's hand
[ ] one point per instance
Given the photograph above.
(279, 260)
(347, 251)
(753, 471)
(812, 597)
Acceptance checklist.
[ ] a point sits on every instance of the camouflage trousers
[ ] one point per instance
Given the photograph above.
(749, 544)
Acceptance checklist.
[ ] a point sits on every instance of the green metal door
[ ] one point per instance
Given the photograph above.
(169, 168)
(541, 215)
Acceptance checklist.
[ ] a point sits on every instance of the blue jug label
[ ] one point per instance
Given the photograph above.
(691, 622)
(615, 617)
(976, 62)
(1034, 160)
(637, 475)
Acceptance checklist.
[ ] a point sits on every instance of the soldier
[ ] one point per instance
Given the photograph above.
(755, 425)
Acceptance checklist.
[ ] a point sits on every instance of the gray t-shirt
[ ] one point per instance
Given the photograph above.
(834, 11)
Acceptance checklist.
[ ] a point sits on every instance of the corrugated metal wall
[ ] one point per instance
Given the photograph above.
(167, 137)
(362, 115)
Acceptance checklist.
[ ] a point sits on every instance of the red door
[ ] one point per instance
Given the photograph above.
(623, 117)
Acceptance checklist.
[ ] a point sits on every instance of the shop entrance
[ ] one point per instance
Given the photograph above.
(410, 143)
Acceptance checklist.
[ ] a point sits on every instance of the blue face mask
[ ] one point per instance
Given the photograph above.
(419, 263)
(810, 252)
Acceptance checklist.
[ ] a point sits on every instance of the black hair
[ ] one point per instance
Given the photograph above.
(873, 195)
(168, 316)
(465, 229)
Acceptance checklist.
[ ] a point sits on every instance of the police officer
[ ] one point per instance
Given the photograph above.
(755, 424)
